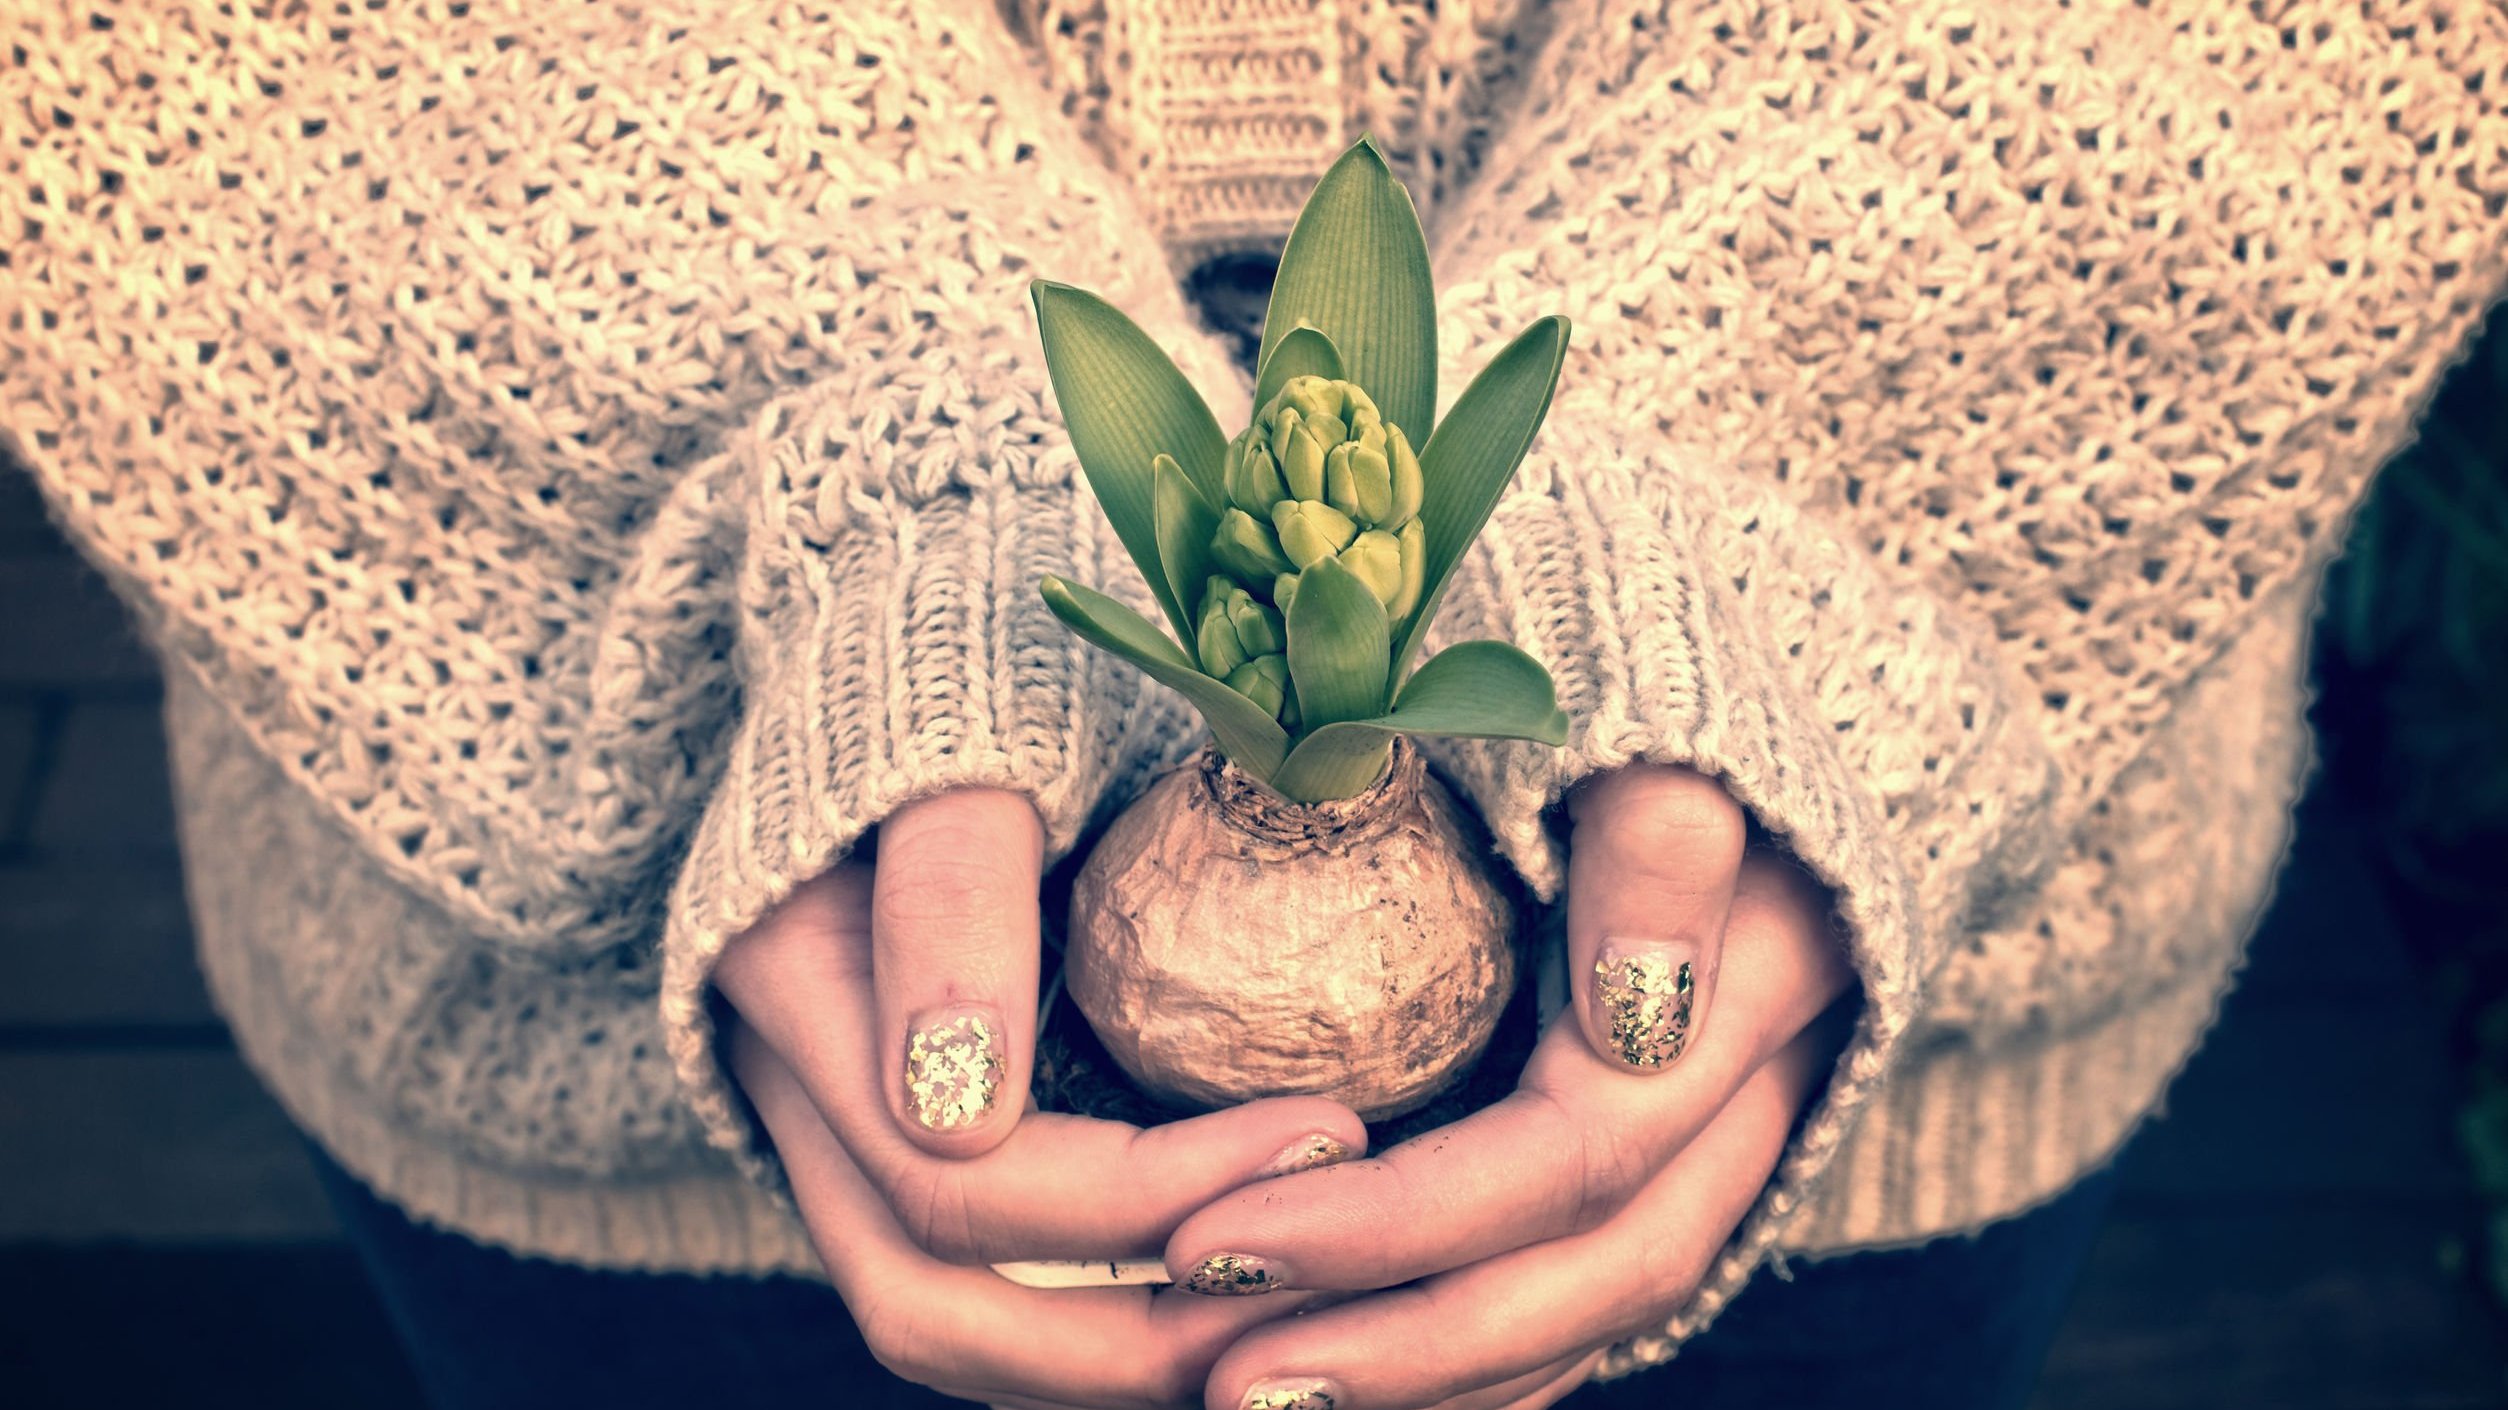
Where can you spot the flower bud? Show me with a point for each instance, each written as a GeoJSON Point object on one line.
{"type": "Point", "coordinates": [1358, 481]}
{"type": "Point", "coordinates": [1215, 639]}
{"type": "Point", "coordinates": [1253, 478]}
{"type": "Point", "coordinates": [1246, 547]}
{"type": "Point", "coordinates": [1265, 681]}
{"type": "Point", "coordinates": [1315, 396]}
{"type": "Point", "coordinates": [1301, 456]}
{"type": "Point", "coordinates": [1259, 628]}
{"type": "Point", "coordinates": [1284, 590]}
{"type": "Point", "coordinates": [1413, 539]}
{"type": "Point", "coordinates": [1311, 531]}
{"type": "Point", "coordinates": [1375, 558]}
{"type": "Point", "coordinates": [1233, 628]}
{"type": "Point", "coordinates": [1405, 477]}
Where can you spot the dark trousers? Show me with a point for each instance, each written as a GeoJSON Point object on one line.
{"type": "Point", "coordinates": [1957, 1324]}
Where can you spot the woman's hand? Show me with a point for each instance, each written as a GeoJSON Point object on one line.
{"type": "Point", "coordinates": [901, 999]}
{"type": "Point", "coordinates": [969, 1332]}
{"type": "Point", "coordinates": [1586, 1205]}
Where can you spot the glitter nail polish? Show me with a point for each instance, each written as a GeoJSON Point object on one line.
{"type": "Point", "coordinates": [1643, 997]}
{"type": "Point", "coordinates": [1305, 1153]}
{"type": "Point", "coordinates": [1290, 1393]}
{"type": "Point", "coordinates": [1232, 1275]}
{"type": "Point", "coordinates": [953, 1070]}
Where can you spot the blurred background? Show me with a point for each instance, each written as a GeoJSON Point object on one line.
{"type": "Point", "coordinates": [2319, 1219]}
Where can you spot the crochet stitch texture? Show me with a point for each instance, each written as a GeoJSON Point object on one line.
{"type": "Point", "coordinates": [583, 465]}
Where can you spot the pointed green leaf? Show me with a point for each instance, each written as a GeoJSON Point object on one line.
{"type": "Point", "coordinates": [1340, 646]}
{"type": "Point", "coordinates": [1472, 690]}
{"type": "Point", "coordinates": [1356, 268]}
{"type": "Point", "coordinates": [1245, 732]}
{"type": "Point", "coordinates": [1185, 522]}
{"type": "Point", "coordinates": [1125, 403]}
{"type": "Point", "coordinates": [1481, 690]}
{"type": "Point", "coordinates": [1466, 465]}
{"type": "Point", "coordinates": [1303, 352]}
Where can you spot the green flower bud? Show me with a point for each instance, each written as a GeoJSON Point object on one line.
{"type": "Point", "coordinates": [1358, 481]}
{"type": "Point", "coordinates": [1246, 547]}
{"type": "Point", "coordinates": [1413, 539]}
{"type": "Point", "coordinates": [1265, 681]}
{"type": "Point", "coordinates": [1406, 481]}
{"type": "Point", "coordinates": [1315, 396]}
{"type": "Point", "coordinates": [1253, 478]}
{"type": "Point", "coordinates": [1284, 590]}
{"type": "Point", "coordinates": [1375, 558]}
{"type": "Point", "coordinates": [1311, 531]}
{"type": "Point", "coordinates": [1233, 628]}
{"type": "Point", "coordinates": [1301, 456]}
{"type": "Point", "coordinates": [1216, 639]}
{"type": "Point", "coordinates": [1259, 628]}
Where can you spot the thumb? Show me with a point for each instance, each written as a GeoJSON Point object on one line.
{"type": "Point", "coordinates": [1651, 868]}
{"type": "Point", "coordinates": [954, 964]}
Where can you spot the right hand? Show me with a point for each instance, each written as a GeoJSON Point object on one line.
{"type": "Point", "coordinates": [944, 927]}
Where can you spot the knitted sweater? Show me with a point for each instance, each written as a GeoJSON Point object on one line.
{"type": "Point", "coordinates": [584, 464]}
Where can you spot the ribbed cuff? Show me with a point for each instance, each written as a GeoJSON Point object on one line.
{"type": "Point", "coordinates": [892, 657]}
{"type": "Point", "coordinates": [1689, 620]}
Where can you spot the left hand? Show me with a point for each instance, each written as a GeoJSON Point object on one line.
{"type": "Point", "coordinates": [1588, 1204]}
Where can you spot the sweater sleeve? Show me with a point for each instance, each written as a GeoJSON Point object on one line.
{"type": "Point", "coordinates": [601, 455]}
{"type": "Point", "coordinates": [897, 516]}
{"type": "Point", "coordinates": [1948, 391]}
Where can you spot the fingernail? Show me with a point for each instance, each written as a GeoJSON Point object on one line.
{"type": "Point", "coordinates": [1232, 1275]}
{"type": "Point", "coordinates": [953, 1069]}
{"type": "Point", "coordinates": [1643, 994]}
{"type": "Point", "coordinates": [1305, 1153]}
{"type": "Point", "coordinates": [1291, 1393]}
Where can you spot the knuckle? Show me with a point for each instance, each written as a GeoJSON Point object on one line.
{"type": "Point", "coordinates": [896, 1336]}
{"type": "Point", "coordinates": [933, 1206]}
{"type": "Point", "coordinates": [945, 878]}
{"type": "Point", "coordinates": [1609, 1169]}
{"type": "Point", "coordinates": [1597, 1169]}
{"type": "Point", "coordinates": [1687, 822]}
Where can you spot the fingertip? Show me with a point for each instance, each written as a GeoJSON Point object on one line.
{"type": "Point", "coordinates": [1322, 1133]}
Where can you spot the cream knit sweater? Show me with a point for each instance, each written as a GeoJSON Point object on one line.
{"type": "Point", "coordinates": [583, 464]}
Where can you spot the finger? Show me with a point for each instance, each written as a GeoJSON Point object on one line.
{"type": "Point", "coordinates": [1528, 1392]}
{"type": "Point", "coordinates": [1564, 1151]}
{"type": "Point", "coordinates": [979, 1335]}
{"type": "Point", "coordinates": [954, 962]}
{"type": "Point", "coordinates": [1511, 1316]}
{"type": "Point", "coordinates": [1525, 1392]}
{"type": "Point", "coordinates": [1651, 864]}
{"type": "Point", "coordinates": [802, 981]}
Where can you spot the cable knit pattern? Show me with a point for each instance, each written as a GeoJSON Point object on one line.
{"type": "Point", "coordinates": [584, 466]}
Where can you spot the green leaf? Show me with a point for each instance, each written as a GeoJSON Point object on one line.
{"type": "Point", "coordinates": [1473, 690]}
{"type": "Point", "coordinates": [1340, 646]}
{"type": "Point", "coordinates": [1125, 403]}
{"type": "Point", "coordinates": [1356, 268]}
{"type": "Point", "coordinates": [1303, 351]}
{"type": "Point", "coordinates": [1185, 522]}
{"type": "Point", "coordinates": [1481, 690]}
{"type": "Point", "coordinates": [1466, 465]}
{"type": "Point", "coordinates": [1337, 761]}
{"type": "Point", "coordinates": [1245, 732]}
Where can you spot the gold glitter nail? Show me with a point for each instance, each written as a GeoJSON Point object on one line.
{"type": "Point", "coordinates": [1231, 1275]}
{"type": "Point", "coordinates": [1307, 1153]}
{"type": "Point", "coordinates": [1646, 1000]}
{"type": "Point", "coordinates": [1289, 1395]}
{"type": "Point", "coordinates": [953, 1071]}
